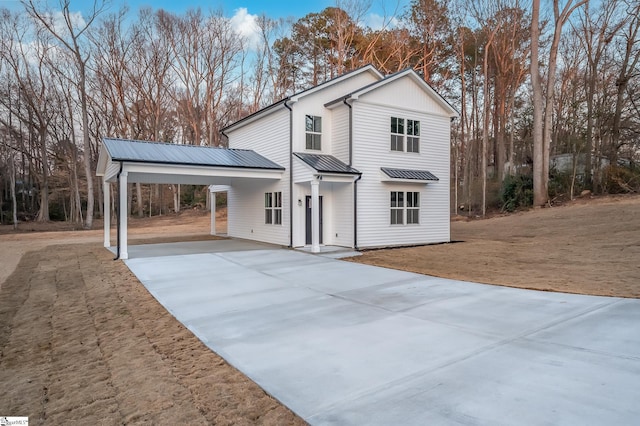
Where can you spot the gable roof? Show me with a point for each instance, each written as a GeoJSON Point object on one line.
{"type": "Point", "coordinates": [136, 151]}
{"type": "Point", "coordinates": [326, 163]}
{"type": "Point", "coordinates": [296, 97]}
{"type": "Point", "coordinates": [409, 72]}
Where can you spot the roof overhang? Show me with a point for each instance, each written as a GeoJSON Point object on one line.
{"type": "Point", "coordinates": [326, 168]}
{"type": "Point", "coordinates": [407, 176]}
{"type": "Point", "coordinates": [144, 162]}
{"type": "Point", "coordinates": [188, 175]}
{"type": "Point", "coordinates": [407, 73]}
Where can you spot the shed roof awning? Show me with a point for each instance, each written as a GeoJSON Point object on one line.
{"type": "Point", "coordinates": [408, 175]}
{"type": "Point", "coordinates": [323, 163]}
{"type": "Point", "coordinates": [156, 162]}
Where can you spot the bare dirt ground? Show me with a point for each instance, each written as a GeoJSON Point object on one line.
{"type": "Point", "coordinates": [82, 341]}
{"type": "Point", "coordinates": [589, 247]}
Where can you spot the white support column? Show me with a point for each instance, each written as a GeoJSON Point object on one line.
{"type": "Point", "coordinates": [213, 213]}
{"type": "Point", "coordinates": [124, 252]}
{"type": "Point", "coordinates": [106, 186]}
{"type": "Point", "coordinates": [315, 216]}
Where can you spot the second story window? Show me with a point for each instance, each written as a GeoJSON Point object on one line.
{"type": "Point", "coordinates": [401, 128]}
{"type": "Point", "coordinates": [413, 136]}
{"type": "Point", "coordinates": [397, 134]}
{"type": "Point", "coordinates": [313, 130]}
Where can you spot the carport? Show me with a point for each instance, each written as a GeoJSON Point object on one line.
{"type": "Point", "coordinates": [124, 161]}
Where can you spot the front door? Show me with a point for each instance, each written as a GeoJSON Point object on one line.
{"type": "Point", "coordinates": [308, 220]}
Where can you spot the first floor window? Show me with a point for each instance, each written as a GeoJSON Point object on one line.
{"type": "Point", "coordinates": [405, 207]}
{"type": "Point", "coordinates": [413, 207]}
{"type": "Point", "coordinates": [397, 207]}
{"type": "Point", "coordinates": [273, 208]}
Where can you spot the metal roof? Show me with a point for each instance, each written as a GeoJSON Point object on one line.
{"type": "Point", "coordinates": [192, 155]}
{"type": "Point", "coordinates": [409, 174]}
{"type": "Point", "coordinates": [326, 163]}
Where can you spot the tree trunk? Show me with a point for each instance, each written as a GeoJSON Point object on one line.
{"type": "Point", "coordinates": [539, 193]}
{"type": "Point", "coordinates": [43, 212]}
{"type": "Point", "coordinates": [139, 200]}
{"type": "Point", "coordinates": [86, 143]}
{"type": "Point", "coordinates": [14, 202]}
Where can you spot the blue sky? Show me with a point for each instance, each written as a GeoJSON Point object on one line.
{"type": "Point", "coordinates": [272, 8]}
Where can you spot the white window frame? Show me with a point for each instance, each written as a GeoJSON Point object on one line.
{"type": "Point", "coordinates": [313, 132]}
{"type": "Point", "coordinates": [404, 208]}
{"type": "Point", "coordinates": [413, 136]}
{"type": "Point", "coordinates": [273, 208]}
{"type": "Point", "coordinates": [405, 135]}
{"type": "Point", "coordinates": [397, 134]}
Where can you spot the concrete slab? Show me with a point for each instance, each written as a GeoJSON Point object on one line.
{"type": "Point", "coordinates": [344, 343]}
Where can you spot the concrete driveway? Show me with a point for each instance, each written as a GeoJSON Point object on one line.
{"type": "Point", "coordinates": [344, 343]}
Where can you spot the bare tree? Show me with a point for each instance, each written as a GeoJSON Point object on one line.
{"type": "Point", "coordinates": [542, 126]}
{"type": "Point", "coordinates": [628, 68]}
{"type": "Point", "coordinates": [71, 38]}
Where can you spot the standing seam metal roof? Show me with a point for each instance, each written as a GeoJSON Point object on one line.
{"type": "Point", "coordinates": [409, 174]}
{"type": "Point", "coordinates": [326, 163]}
{"type": "Point", "coordinates": [192, 155]}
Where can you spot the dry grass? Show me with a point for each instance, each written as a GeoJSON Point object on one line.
{"type": "Point", "coordinates": [588, 247]}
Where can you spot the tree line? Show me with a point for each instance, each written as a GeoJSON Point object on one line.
{"type": "Point", "coordinates": [532, 82]}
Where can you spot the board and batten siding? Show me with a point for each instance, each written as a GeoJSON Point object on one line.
{"type": "Point", "coordinates": [372, 151]}
{"type": "Point", "coordinates": [245, 203]}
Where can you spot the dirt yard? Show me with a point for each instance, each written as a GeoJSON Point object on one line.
{"type": "Point", "coordinates": [82, 341]}
{"type": "Point", "coordinates": [589, 247]}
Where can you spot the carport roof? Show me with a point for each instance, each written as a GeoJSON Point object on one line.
{"type": "Point", "coordinates": [191, 155]}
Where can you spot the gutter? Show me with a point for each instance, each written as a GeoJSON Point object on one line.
{"type": "Point", "coordinates": [118, 216]}
{"type": "Point", "coordinates": [290, 171]}
{"type": "Point", "coordinates": [226, 136]}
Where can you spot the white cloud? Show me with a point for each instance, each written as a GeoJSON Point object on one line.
{"type": "Point", "coordinates": [60, 25]}
{"type": "Point", "coordinates": [377, 22]}
{"type": "Point", "coordinates": [245, 24]}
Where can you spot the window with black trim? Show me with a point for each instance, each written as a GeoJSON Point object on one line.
{"type": "Point", "coordinates": [273, 208]}
{"type": "Point", "coordinates": [413, 136]}
{"type": "Point", "coordinates": [405, 207]}
{"type": "Point", "coordinates": [398, 132]}
{"type": "Point", "coordinates": [313, 130]}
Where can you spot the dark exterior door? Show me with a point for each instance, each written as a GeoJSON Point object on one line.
{"type": "Point", "coordinates": [308, 220]}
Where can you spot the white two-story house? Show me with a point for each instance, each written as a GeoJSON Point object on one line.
{"type": "Point", "coordinates": [366, 161]}
{"type": "Point", "coordinates": [360, 161]}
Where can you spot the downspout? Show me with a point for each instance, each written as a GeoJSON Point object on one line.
{"type": "Point", "coordinates": [290, 172]}
{"type": "Point", "coordinates": [355, 182]}
{"type": "Point", "coordinates": [355, 212]}
{"type": "Point", "coordinates": [350, 129]}
{"type": "Point", "coordinates": [118, 217]}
